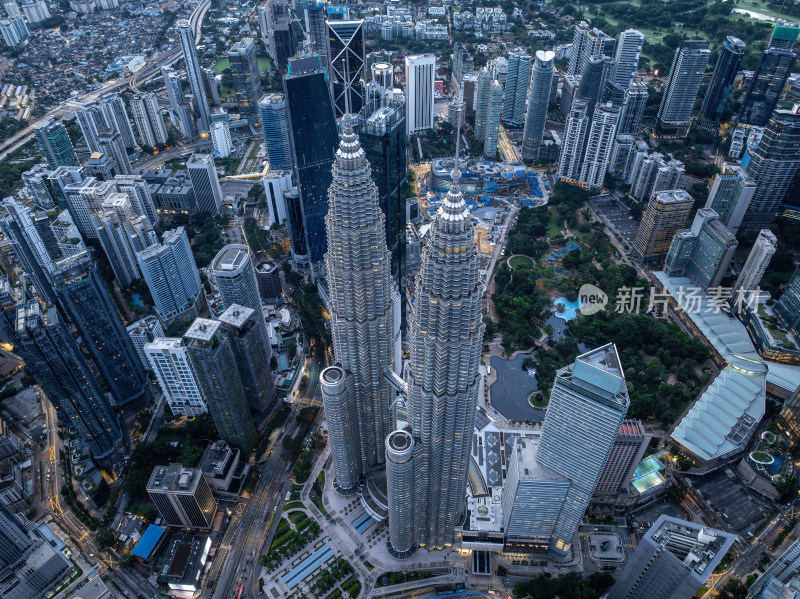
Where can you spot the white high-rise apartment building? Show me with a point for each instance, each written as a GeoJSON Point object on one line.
{"type": "Point", "coordinates": [587, 42]}
{"type": "Point", "coordinates": [221, 138]}
{"type": "Point", "coordinates": [116, 118]}
{"type": "Point", "coordinates": [35, 11]}
{"type": "Point", "coordinates": [599, 145]}
{"type": "Point", "coordinates": [757, 261]}
{"type": "Point", "coordinates": [147, 116]}
{"type": "Point", "coordinates": [420, 76]}
{"type": "Point", "coordinates": [174, 371]}
{"type": "Point", "coordinates": [626, 57]}
{"type": "Point", "coordinates": [12, 8]}
{"type": "Point", "coordinates": [10, 35]}
{"type": "Point", "coordinates": [572, 144]}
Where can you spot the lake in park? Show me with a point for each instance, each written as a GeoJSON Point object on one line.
{"type": "Point", "coordinates": [511, 390]}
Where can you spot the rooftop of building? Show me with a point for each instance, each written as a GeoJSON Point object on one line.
{"type": "Point", "coordinates": [601, 369]}
{"type": "Point", "coordinates": [173, 235]}
{"type": "Point", "coordinates": [175, 477]}
{"type": "Point", "coordinates": [217, 458]}
{"type": "Point", "coordinates": [202, 329]}
{"type": "Point", "coordinates": [526, 450]}
{"type": "Point", "coordinates": [202, 159]}
{"type": "Point", "coordinates": [631, 428]}
{"type": "Point", "coordinates": [673, 196]}
{"type": "Point", "coordinates": [718, 422]}
{"type": "Point", "coordinates": [267, 267]}
{"type": "Point", "coordinates": [183, 561]}
{"type": "Point", "coordinates": [143, 325]}
{"type": "Point", "coordinates": [231, 258]}
{"type": "Point", "coordinates": [698, 547]}
{"type": "Point", "coordinates": [94, 588]}
{"type": "Point", "coordinates": [236, 315]}
{"type": "Point", "coordinates": [164, 343]}
{"type": "Point", "coordinates": [148, 541]}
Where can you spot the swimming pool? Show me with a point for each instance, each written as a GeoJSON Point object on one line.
{"type": "Point", "coordinates": [570, 308]}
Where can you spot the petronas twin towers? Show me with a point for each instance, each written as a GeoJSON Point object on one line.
{"type": "Point", "coordinates": [426, 453]}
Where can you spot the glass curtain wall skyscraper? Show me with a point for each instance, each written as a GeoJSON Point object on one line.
{"type": "Point", "coordinates": [345, 47]}
{"type": "Point", "coordinates": [769, 77]}
{"type": "Point", "coordinates": [538, 101]}
{"type": "Point", "coordinates": [383, 138]}
{"type": "Point", "coordinates": [588, 403]}
{"type": "Point", "coordinates": [195, 74]}
{"type": "Point", "coordinates": [446, 337]}
{"type": "Point", "coordinates": [314, 136]}
{"type": "Point", "coordinates": [516, 88]}
{"type": "Point", "coordinates": [275, 123]}
{"type": "Point", "coordinates": [365, 312]}
{"type": "Point", "coordinates": [46, 345]}
{"type": "Point", "coordinates": [772, 161]}
{"type": "Point", "coordinates": [246, 81]}
{"type": "Point", "coordinates": [685, 77]}
{"type": "Point", "coordinates": [730, 57]}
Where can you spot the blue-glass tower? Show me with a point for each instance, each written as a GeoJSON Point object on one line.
{"type": "Point", "coordinates": [730, 56]}
{"type": "Point", "coordinates": [275, 122]}
{"type": "Point", "coordinates": [314, 136]}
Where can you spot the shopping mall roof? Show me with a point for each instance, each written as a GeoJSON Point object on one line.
{"type": "Point", "coordinates": [721, 420]}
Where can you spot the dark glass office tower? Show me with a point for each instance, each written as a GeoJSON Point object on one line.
{"type": "Point", "coordinates": [346, 60]}
{"type": "Point", "coordinates": [730, 56]}
{"type": "Point", "coordinates": [55, 144]}
{"type": "Point", "coordinates": [769, 78]}
{"type": "Point", "coordinates": [314, 141]}
{"type": "Point", "coordinates": [383, 138]}
{"type": "Point", "coordinates": [772, 162]}
{"type": "Point", "coordinates": [54, 359]}
{"type": "Point", "coordinates": [87, 304]}
{"type": "Point", "coordinates": [246, 82]}
{"type": "Point", "coordinates": [14, 541]}
{"type": "Point", "coordinates": [284, 42]}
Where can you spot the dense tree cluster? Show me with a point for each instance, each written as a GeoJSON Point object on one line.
{"type": "Point", "coordinates": [650, 350]}
{"type": "Point", "coordinates": [191, 438]}
{"type": "Point", "coordinates": [571, 586]}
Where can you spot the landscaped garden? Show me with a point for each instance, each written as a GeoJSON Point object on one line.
{"type": "Point", "coordinates": [665, 369]}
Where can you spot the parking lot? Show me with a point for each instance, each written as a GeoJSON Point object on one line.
{"type": "Point", "coordinates": [731, 502]}
{"type": "Point", "coordinates": [616, 216]}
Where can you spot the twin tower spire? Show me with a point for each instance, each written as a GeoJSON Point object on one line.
{"type": "Point", "coordinates": [426, 450]}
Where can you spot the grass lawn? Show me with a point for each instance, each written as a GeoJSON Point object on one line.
{"type": "Point", "coordinates": [521, 262]}
{"type": "Point", "coordinates": [223, 64]}
{"type": "Point", "coordinates": [554, 228]}
{"type": "Point", "coordinates": [756, 6]}
{"type": "Point", "coordinates": [263, 64]}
